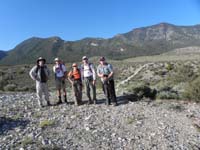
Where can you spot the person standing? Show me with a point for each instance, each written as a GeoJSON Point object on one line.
{"type": "Point", "coordinates": [105, 72]}
{"type": "Point", "coordinates": [60, 75]}
{"type": "Point", "coordinates": [89, 77]}
{"type": "Point", "coordinates": [40, 73]}
{"type": "Point", "coordinates": [74, 76]}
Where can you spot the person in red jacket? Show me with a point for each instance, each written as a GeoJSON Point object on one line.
{"type": "Point", "coordinates": [74, 76]}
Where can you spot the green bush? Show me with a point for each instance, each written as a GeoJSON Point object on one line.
{"type": "Point", "coordinates": [25, 88]}
{"type": "Point", "coordinates": [3, 83]}
{"type": "Point", "coordinates": [192, 90]}
{"type": "Point", "coordinates": [142, 90]}
{"type": "Point", "coordinates": [10, 87]}
{"type": "Point", "coordinates": [165, 91]}
{"type": "Point", "coordinates": [46, 123]}
{"type": "Point", "coordinates": [27, 141]}
{"type": "Point", "coordinates": [169, 66]}
{"type": "Point", "coordinates": [183, 73]}
{"type": "Point", "coordinates": [22, 70]}
{"type": "Point", "coordinates": [167, 95]}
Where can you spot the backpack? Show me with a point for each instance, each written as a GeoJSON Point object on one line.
{"type": "Point", "coordinates": [90, 68]}
{"type": "Point", "coordinates": [61, 68]}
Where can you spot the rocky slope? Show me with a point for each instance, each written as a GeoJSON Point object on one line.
{"type": "Point", "coordinates": [156, 125]}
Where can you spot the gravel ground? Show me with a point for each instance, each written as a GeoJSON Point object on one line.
{"type": "Point", "coordinates": [155, 125]}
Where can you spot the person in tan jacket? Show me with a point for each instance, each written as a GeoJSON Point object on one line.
{"type": "Point", "coordinates": [40, 73]}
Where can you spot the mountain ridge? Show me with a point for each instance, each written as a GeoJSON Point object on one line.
{"type": "Point", "coordinates": [150, 40]}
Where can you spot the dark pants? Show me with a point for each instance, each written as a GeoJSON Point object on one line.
{"type": "Point", "coordinates": [77, 89]}
{"type": "Point", "coordinates": [109, 91]}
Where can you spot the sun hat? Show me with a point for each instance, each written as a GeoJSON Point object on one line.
{"type": "Point", "coordinates": [41, 59]}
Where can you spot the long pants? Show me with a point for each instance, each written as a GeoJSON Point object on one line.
{"type": "Point", "coordinates": [77, 89]}
{"type": "Point", "coordinates": [109, 91]}
{"type": "Point", "coordinates": [89, 85]}
{"type": "Point", "coordinates": [42, 88]}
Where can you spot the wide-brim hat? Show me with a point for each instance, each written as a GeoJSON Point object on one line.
{"type": "Point", "coordinates": [57, 59]}
{"type": "Point", "coordinates": [84, 58]}
{"type": "Point", "coordinates": [74, 65]}
{"type": "Point", "coordinates": [40, 58]}
{"type": "Point", "coordinates": [102, 58]}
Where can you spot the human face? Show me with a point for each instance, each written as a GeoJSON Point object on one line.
{"type": "Point", "coordinates": [57, 62]}
{"type": "Point", "coordinates": [41, 63]}
{"type": "Point", "coordinates": [85, 60]}
{"type": "Point", "coordinates": [74, 67]}
{"type": "Point", "coordinates": [102, 62]}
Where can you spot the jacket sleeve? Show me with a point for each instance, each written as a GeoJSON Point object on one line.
{"type": "Point", "coordinates": [48, 72]}
{"type": "Point", "coordinates": [32, 73]}
{"type": "Point", "coordinates": [98, 70]}
{"type": "Point", "coordinates": [82, 72]}
{"type": "Point", "coordinates": [93, 72]}
{"type": "Point", "coordinates": [54, 69]}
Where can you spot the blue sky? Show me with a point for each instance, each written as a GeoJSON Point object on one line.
{"type": "Point", "coordinates": [76, 19]}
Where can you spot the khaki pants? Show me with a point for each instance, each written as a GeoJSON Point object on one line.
{"type": "Point", "coordinates": [42, 88]}
{"type": "Point", "coordinates": [89, 85]}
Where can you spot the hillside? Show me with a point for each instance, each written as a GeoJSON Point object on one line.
{"type": "Point", "coordinates": [2, 54]}
{"type": "Point", "coordinates": [145, 41]}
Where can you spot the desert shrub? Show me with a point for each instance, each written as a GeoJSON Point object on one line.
{"type": "Point", "coordinates": [167, 95]}
{"type": "Point", "coordinates": [10, 87]}
{"type": "Point", "coordinates": [192, 90]}
{"type": "Point", "coordinates": [46, 123]}
{"type": "Point", "coordinates": [183, 73]}
{"type": "Point", "coordinates": [21, 70]}
{"type": "Point", "coordinates": [165, 91]}
{"type": "Point", "coordinates": [3, 83]}
{"type": "Point", "coordinates": [142, 90]}
{"type": "Point", "coordinates": [25, 88]}
{"type": "Point", "coordinates": [169, 66]}
{"type": "Point", "coordinates": [160, 73]}
{"type": "Point", "coordinates": [27, 141]}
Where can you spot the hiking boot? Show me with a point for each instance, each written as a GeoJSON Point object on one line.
{"type": "Point", "coordinates": [41, 106]}
{"type": "Point", "coordinates": [89, 102]}
{"type": "Point", "coordinates": [59, 101]}
{"type": "Point", "coordinates": [95, 102]}
{"type": "Point", "coordinates": [65, 99]}
{"type": "Point", "coordinates": [115, 104]}
{"type": "Point", "coordinates": [49, 104]}
{"type": "Point", "coordinates": [108, 101]}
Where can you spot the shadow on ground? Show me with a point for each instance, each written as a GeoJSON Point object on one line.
{"type": "Point", "coordinates": [7, 124]}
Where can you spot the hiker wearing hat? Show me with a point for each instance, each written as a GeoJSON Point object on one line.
{"type": "Point", "coordinates": [105, 72]}
{"type": "Point", "coordinates": [74, 76]}
{"type": "Point", "coordinates": [89, 77]}
{"type": "Point", "coordinates": [40, 73]}
{"type": "Point", "coordinates": [60, 75]}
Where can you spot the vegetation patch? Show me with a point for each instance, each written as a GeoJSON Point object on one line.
{"type": "Point", "coordinates": [46, 123]}
{"type": "Point", "coordinates": [27, 141]}
{"type": "Point", "coordinates": [192, 90]}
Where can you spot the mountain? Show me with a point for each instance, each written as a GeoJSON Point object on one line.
{"type": "Point", "coordinates": [2, 54]}
{"type": "Point", "coordinates": [151, 40]}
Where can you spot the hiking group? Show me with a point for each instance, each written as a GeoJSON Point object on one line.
{"type": "Point", "coordinates": [77, 76]}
